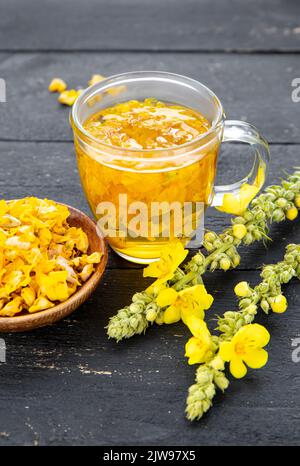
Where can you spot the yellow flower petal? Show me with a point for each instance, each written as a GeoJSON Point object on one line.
{"type": "Point", "coordinates": [12, 307]}
{"type": "Point", "coordinates": [256, 333]}
{"type": "Point", "coordinates": [57, 85]}
{"type": "Point", "coordinates": [202, 296]}
{"type": "Point", "coordinates": [196, 351]}
{"type": "Point", "coordinates": [166, 297]}
{"type": "Point", "coordinates": [4, 208]}
{"type": "Point", "coordinates": [40, 304]}
{"type": "Point", "coordinates": [68, 97]}
{"type": "Point", "coordinates": [171, 257]}
{"type": "Point", "coordinates": [237, 367]}
{"type": "Point", "coordinates": [171, 315]}
{"type": "Point", "coordinates": [279, 304]}
{"type": "Point", "coordinates": [199, 328]}
{"type": "Point", "coordinates": [256, 358]}
{"type": "Point", "coordinates": [96, 78]}
{"type": "Point", "coordinates": [237, 204]}
{"type": "Point", "coordinates": [226, 350]}
{"type": "Point", "coordinates": [54, 285]}
{"type": "Point", "coordinates": [187, 312]}
{"type": "Point", "coordinates": [261, 176]}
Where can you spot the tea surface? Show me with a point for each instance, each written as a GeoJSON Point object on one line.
{"type": "Point", "coordinates": [147, 124]}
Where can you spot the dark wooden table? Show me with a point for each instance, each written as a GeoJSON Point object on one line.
{"type": "Point", "coordinates": [68, 384]}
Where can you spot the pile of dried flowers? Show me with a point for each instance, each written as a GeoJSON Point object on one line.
{"type": "Point", "coordinates": [43, 260]}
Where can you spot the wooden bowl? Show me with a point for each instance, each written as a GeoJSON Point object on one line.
{"type": "Point", "coordinates": [23, 323]}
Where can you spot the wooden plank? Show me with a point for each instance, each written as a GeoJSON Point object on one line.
{"type": "Point", "coordinates": [150, 25]}
{"type": "Point", "coordinates": [68, 384]}
{"type": "Point", "coordinates": [255, 88]}
{"type": "Point", "coordinates": [49, 170]}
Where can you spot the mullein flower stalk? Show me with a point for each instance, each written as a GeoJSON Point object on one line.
{"type": "Point", "coordinates": [268, 296]}
{"type": "Point", "coordinates": [276, 204]}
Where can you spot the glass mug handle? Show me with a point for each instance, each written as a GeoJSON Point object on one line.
{"type": "Point", "coordinates": [234, 198]}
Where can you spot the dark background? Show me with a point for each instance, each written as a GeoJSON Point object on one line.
{"type": "Point", "coordinates": [68, 384]}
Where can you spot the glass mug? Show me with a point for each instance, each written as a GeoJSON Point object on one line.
{"type": "Point", "coordinates": [134, 192]}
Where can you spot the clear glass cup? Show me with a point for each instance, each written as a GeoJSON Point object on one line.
{"type": "Point", "coordinates": [118, 181]}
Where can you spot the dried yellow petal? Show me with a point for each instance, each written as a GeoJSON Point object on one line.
{"type": "Point", "coordinates": [12, 308]}
{"type": "Point", "coordinates": [86, 272]}
{"type": "Point", "coordinates": [43, 260]}
{"type": "Point", "coordinates": [54, 285]}
{"type": "Point", "coordinates": [68, 97]}
{"type": "Point", "coordinates": [57, 85]}
{"type": "Point", "coordinates": [96, 78]}
{"type": "Point", "coordinates": [40, 304]}
{"type": "Point", "coordinates": [28, 295]}
{"type": "Point", "coordinates": [94, 258]}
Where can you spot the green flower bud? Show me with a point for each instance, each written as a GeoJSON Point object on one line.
{"type": "Point", "coordinates": [278, 215]}
{"type": "Point", "coordinates": [239, 220]}
{"type": "Point", "coordinates": [245, 302]}
{"type": "Point", "coordinates": [236, 260]}
{"type": "Point", "coordinates": [225, 264]}
{"type": "Point", "coordinates": [218, 243]}
{"type": "Point", "coordinates": [248, 239]}
{"type": "Point", "coordinates": [151, 315]}
{"type": "Point", "coordinates": [208, 246]}
{"type": "Point", "coordinates": [282, 203]}
{"type": "Point", "coordinates": [198, 258]}
{"type": "Point", "coordinates": [248, 216]}
{"type": "Point", "coordinates": [251, 310]}
{"type": "Point", "coordinates": [135, 308]}
{"type": "Point", "coordinates": [286, 276]}
{"type": "Point", "coordinates": [265, 305]}
{"type": "Point", "coordinates": [264, 287]}
{"type": "Point", "coordinates": [210, 236]}
{"type": "Point", "coordinates": [257, 235]}
{"type": "Point", "coordinates": [214, 265]}
{"type": "Point", "coordinates": [203, 376]}
{"type": "Point", "coordinates": [221, 381]}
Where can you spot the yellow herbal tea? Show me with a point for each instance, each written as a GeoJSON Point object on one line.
{"type": "Point", "coordinates": [156, 197]}
{"type": "Point", "coordinates": [146, 125]}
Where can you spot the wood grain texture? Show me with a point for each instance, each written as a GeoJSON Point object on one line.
{"type": "Point", "coordinates": [150, 25]}
{"type": "Point", "coordinates": [253, 88]}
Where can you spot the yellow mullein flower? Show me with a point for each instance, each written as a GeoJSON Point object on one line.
{"type": "Point", "coordinates": [171, 257]}
{"type": "Point", "coordinates": [190, 301]}
{"type": "Point", "coordinates": [200, 347]}
{"type": "Point", "coordinates": [236, 204]}
{"type": "Point", "coordinates": [242, 289]}
{"type": "Point", "coordinates": [292, 213]}
{"type": "Point", "coordinates": [239, 231]}
{"type": "Point", "coordinates": [278, 304]}
{"type": "Point", "coordinates": [246, 347]}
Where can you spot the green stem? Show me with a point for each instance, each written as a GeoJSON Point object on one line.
{"type": "Point", "coordinates": [189, 277]}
